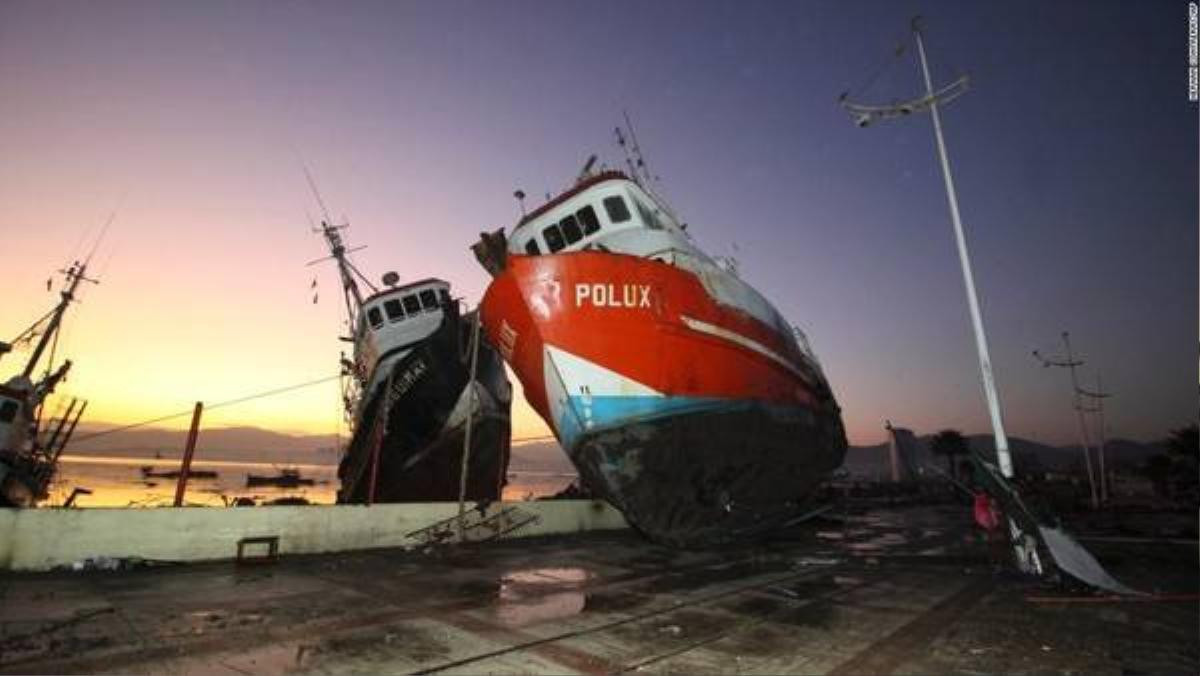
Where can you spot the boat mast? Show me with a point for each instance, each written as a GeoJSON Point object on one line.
{"type": "Point", "coordinates": [75, 274]}
{"type": "Point", "coordinates": [337, 251]}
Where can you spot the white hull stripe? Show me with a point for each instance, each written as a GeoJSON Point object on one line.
{"type": "Point", "coordinates": [748, 343]}
{"type": "Point", "coordinates": [577, 373]}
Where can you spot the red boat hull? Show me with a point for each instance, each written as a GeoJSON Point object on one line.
{"type": "Point", "coordinates": [701, 422]}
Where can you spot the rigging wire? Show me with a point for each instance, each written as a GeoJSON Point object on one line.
{"type": "Point", "coordinates": [902, 45]}
{"type": "Point", "coordinates": [229, 402]}
{"type": "Point", "coordinates": [28, 334]}
{"type": "Point", "coordinates": [251, 397]}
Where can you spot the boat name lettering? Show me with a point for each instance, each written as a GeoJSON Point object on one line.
{"type": "Point", "coordinates": [612, 295]}
{"type": "Point", "coordinates": [409, 378]}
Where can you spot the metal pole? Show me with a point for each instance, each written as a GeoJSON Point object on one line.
{"type": "Point", "coordinates": [1100, 441]}
{"type": "Point", "coordinates": [48, 449]}
{"type": "Point", "coordinates": [985, 363]}
{"type": "Point", "coordinates": [1024, 550]}
{"type": "Point", "coordinates": [466, 454]}
{"type": "Point", "coordinates": [1083, 435]}
{"type": "Point", "coordinates": [70, 431]}
{"type": "Point", "coordinates": [188, 451]}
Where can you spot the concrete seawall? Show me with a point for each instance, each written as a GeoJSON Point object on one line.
{"type": "Point", "coordinates": [41, 539]}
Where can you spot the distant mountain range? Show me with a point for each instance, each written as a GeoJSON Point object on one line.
{"type": "Point", "coordinates": [256, 444]}
{"type": "Point", "coordinates": [218, 443]}
{"type": "Point", "coordinates": [1119, 454]}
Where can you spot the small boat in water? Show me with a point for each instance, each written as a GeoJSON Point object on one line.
{"type": "Point", "coordinates": [410, 397]}
{"type": "Point", "coordinates": [29, 451]}
{"type": "Point", "coordinates": [678, 391]}
{"type": "Point", "coordinates": [149, 472]}
{"type": "Point", "coordinates": [288, 477]}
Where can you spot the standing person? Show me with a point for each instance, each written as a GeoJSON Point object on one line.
{"type": "Point", "coordinates": [989, 518]}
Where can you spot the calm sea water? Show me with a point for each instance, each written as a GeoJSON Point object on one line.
{"type": "Point", "coordinates": [118, 481]}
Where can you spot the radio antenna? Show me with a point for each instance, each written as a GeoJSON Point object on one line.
{"type": "Point", "coordinates": [316, 193]}
{"type": "Point", "coordinates": [339, 252]}
{"type": "Point", "coordinates": [637, 149]}
{"type": "Point", "coordinates": [625, 152]}
{"type": "Point", "coordinates": [100, 238]}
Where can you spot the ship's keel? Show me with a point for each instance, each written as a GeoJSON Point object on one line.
{"type": "Point", "coordinates": [700, 479]}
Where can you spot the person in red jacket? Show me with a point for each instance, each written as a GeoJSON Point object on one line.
{"type": "Point", "coordinates": [989, 518]}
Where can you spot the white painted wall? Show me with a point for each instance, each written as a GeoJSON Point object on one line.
{"type": "Point", "coordinates": [41, 539]}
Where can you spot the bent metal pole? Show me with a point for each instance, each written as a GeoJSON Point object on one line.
{"type": "Point", "coordinates": [1003, 457]}
{"type": "Point", "coordinates": [1024, 550]}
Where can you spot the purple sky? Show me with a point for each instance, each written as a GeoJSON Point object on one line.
{"type": "Point", "coordinates": [1075, 154]}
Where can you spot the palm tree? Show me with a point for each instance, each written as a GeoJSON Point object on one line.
{"type": "Point", "coordinates": [950, 443]}
{"type": "Point", "coordinates": [1185, 442]}
{"type": "Point", "coordinates": [1183, 448]}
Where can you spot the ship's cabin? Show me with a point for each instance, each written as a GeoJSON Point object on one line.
{"type": "Point", "coordinates": [401, 315]}
{"type": "Point", "coordinates": [13, 420]}
{"type": "Point", "coordinates": [590, 214]}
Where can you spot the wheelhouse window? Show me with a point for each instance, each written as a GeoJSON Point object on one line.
{"type": "Point", "coordinates": [392, 307]}
{"type": "Point", "coordinates": [554, 238]}
{"type": "Point", "coordinates": [570, 229]}
{"type": "Point", "coordinates": [587, 219]}
{"type": "Point", "coordinates": [375, 317]}
{"type": "Point", "coordinates": [445, 296]}
{"type": "Point", "coordinates": [429, 300]}
{"type": "Point", "coordinates": [648, 216]}
{"type": "Point", "coordinates": [531, 247]}
{"type": "Point", "coordinates": [8, 410]}
{"type": "Point", "coordinates": [411, 305]}
{"type": "Point", "coordinates": [618, 212]}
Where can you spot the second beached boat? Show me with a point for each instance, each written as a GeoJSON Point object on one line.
{"type": "Point", "coordinates": [410, 396]}
{"type": "Point", "coordinates": [678, 391]}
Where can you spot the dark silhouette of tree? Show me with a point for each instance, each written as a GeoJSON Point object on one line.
{"type": "Point", "coordinates": [1183, 447]}
{"type": "Point", "coordinates": [1176, 473]}
{"type": "Point", "coordinates": [1158, 470]}
{"type": "Point", "coordinates": [951, 444]}
{"type": "Point", "coordinates": [1184, 442]}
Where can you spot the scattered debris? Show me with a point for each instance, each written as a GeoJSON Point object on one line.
{"type": "Point", "coordinates": [784, 591]}
{"type": "Point", "coordinates": [1115, 598]}
{"type": "Point", "coordinates": [102, 563]}
{"type": "Point", "coordinates": [817, 561]}
{"type": "Point", "coordinates": [476, 527]}
{"type": "Point", "coordinates": [45, 630]}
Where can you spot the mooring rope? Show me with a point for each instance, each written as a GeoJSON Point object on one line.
{"type": "Point", "coordinates": [229, 402]}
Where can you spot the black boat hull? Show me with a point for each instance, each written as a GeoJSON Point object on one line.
{"type": "Point", "coordinates": [710, 478]}
{"type": "Point", "coordinates": [412, 452]}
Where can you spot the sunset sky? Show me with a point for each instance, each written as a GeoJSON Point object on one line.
{"type": "Point", "coordinates": [1075, 154]}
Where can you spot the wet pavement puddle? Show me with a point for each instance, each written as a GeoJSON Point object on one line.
{"type": "Point", "coordinates": [539, 595]}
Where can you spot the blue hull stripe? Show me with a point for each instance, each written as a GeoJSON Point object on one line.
{"type": "Point", "coordinates": [609, 412]}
